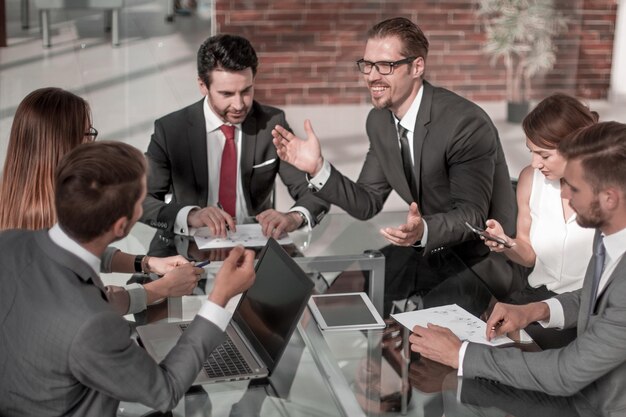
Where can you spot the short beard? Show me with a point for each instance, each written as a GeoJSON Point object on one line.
{"type": "Point", "coordinates": [594, 218]}
{"type": "Point", "coordinates": [381, 104]}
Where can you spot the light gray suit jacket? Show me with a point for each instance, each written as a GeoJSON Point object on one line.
{"type": "Point", "coordinates": [177, 154]}
{"type": "Point", "coordinates": [66, 352]}
{"type": "Point", "coordinates": [594, 363]}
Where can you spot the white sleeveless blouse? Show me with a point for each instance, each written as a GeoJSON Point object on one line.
{"type": "Point", "coordinates": [563, 248]}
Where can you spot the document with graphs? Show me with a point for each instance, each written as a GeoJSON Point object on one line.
{"type": "Point", "coordinates": [463, 324]}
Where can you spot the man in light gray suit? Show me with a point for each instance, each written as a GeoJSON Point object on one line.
{"type": "Point", "coordinates": [65, 350]}
{"type": "Point", "coordinates": [440, 152]}
{"type": "Point", "coordinates": [595, 362]}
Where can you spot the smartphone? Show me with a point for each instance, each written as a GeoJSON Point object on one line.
{"type": "Point", "coordinates": [488, 236]}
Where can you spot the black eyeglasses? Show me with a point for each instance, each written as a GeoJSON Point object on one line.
{"type": "Point", "coordinates": [383, 67]}
{"type": "Point", "coordinates": [92, 133]}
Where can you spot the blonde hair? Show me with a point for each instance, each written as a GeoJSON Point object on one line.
{"type": "Point", "coordinates": [48, 123]}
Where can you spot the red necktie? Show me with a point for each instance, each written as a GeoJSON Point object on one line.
{"type": "Point", "coordinates": [228, 172]}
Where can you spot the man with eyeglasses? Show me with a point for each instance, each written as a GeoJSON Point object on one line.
{"type": "Point", "coordinates": [440, 152]}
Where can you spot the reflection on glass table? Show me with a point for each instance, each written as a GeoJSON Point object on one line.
{"type": "Point", "coordinates": [370, 371]}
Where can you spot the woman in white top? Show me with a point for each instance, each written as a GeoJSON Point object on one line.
{"type": "Point", "coordinates": [549, 239]}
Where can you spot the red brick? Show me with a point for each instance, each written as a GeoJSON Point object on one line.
{"type": "Point", "coordinates": [307, 49]}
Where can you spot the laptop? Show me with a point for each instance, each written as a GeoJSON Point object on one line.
{"type": "Point", "coordinates": [262, 324]}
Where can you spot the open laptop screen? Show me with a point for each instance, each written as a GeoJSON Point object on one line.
{"type": "Point", "coordinates": [270, 310]}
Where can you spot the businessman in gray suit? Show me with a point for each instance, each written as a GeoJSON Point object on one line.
{"type": "Point", "coordinates": [595, 362]}
{"type": "Point", "coordinates": [440, 152]}
{"type": "Point", "coordinates": [189, 155]}
{"type": "Point", "coordinates": [65, 350]}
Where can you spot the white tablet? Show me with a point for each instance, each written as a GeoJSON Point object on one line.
{"type": "Point", "coordinates": [348, 311]}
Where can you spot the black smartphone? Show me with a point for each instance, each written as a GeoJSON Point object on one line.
{"type": "Point", "coordinates": [488, 236]}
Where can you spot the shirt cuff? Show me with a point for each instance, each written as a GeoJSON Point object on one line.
{"type": "Point", "coordinates": [557, 317]}
{"type": "Point", "coordinates": [215, 314]}
{"type": "Point", "coordinates": [137, 297]}
{"type": "Point", "coordinates": [307, 214]}
{"type": "Point", "coordinates": [461, 357]}
{"type": "Point", "coordinates": [321, 178]}
{"type": "Point", "coordinates": [180, 224]}
{"type": "Point", "coordinates": [106, 260]}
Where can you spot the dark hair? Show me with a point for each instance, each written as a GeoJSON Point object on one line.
{"type": "Point", "coordinates": [555, 118]}
{"type": "Point", "coordinates": [48, 123]}
{"type": "Point", "coordinates": [601, 149]}
{"type": "Point", "coordinates": [97, 184]}
{"type": "Point", "coordinates": [414, 42]}
{"type": "Point", "coordinates": [228, 52]}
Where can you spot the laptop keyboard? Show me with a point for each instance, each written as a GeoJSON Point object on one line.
{"type": "Point", "coordinates": [225, 360]}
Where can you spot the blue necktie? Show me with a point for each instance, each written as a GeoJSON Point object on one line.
{"type": "Point", "coordinates": [599, 255]}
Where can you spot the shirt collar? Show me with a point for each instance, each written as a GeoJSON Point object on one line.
{"type": "Point", "coordinates": [409, 119]}
{"type": "Point", "coordinates": [615, 244]}
{"type": "Point", "coordinates": [212, 121]}
{"type": "Point", "coordinates": [58, 236]}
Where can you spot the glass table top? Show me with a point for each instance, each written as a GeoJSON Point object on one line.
{"type": "Point", "coordinates": [352, 373]}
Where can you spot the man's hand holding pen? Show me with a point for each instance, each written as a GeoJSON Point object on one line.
{"type": "Point", "coordinates": [506, 318]}
{"type": "Point", "coordinates": [215, 218]}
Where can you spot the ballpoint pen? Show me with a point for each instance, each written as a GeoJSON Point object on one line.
{"type": "Point", "coordinates": [498, 324]}
{"type": "Point", "coordinates": [219, 206]}
{"type": "Point", "coordinates": [202, 264]}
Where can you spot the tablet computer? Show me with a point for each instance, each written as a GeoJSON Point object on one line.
{"type": "Point", "coordinates": [347, 311]}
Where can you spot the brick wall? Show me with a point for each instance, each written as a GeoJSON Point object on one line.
{"type": "Point", "coordinates": [307, 48]}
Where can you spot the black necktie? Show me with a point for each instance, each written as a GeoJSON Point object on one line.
{"type": "Point", "coordinates": [407, 162]}
{"type": "Point", "coordinates": [599, 255]}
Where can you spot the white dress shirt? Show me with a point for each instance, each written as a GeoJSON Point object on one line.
{"type": "Point", "coordinates": [215, 146]}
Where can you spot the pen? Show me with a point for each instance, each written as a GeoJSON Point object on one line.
{"type": "Point", "coordinates": [202, 264]}
{"type": "Point", "coordinates": [498, 324]}
{"type": "Point", "coordinates": [219, 206]}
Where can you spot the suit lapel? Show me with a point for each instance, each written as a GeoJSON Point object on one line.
{"type": "Point", "coordinates": [248, 144]}
{"type": "Point", "coordinates": [393, 157]}
{"type": "Point", "coordinates": [621, 266]}
{"type": "Point", "coordinates": [585, 302]}
{"type": "Point", "coordinates": [420, 132]}
{"type": "Point", "coordinates": [196, 138]}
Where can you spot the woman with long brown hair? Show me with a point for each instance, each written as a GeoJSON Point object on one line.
{"type": "Point", "coordinates": [548, 238]}
{"type": "Point", "coordinates": [48, 123]}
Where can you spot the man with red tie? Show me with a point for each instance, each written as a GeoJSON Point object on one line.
{"type": "Point", "coordinates": [216, 156]}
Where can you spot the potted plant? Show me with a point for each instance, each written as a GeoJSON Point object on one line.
{"type": "Point", "coordinates": [521, 32]}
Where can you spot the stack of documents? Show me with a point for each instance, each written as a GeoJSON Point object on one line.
{"type": "Point", "coordinates": [464, 325]}
{"type": "Point", "coordinates": [247, 235]}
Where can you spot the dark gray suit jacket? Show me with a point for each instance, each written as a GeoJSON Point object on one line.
{"type": "Point", "coordinates": [65, 351]}
{"type": "Point", "coordinates": [594, 363]}
{"type": "Point", "coordinates": [177, 155]}
{"type": "Point", "coordinates": [459, 166]}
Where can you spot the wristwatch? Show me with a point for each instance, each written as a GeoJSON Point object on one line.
{"type": "Point", "coordinates": [138, 266]}
{"type": "Point", "coordinates": [141, 264]}
{"type": "Point", "coordinates": [305, 221]}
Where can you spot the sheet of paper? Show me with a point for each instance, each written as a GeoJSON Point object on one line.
{"type": "Point", "coordinates": [464, 325]}
{"type": "Point", "coordinates": [248, 235]}
{"type": "Point", "coordinates": [192, 303]}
